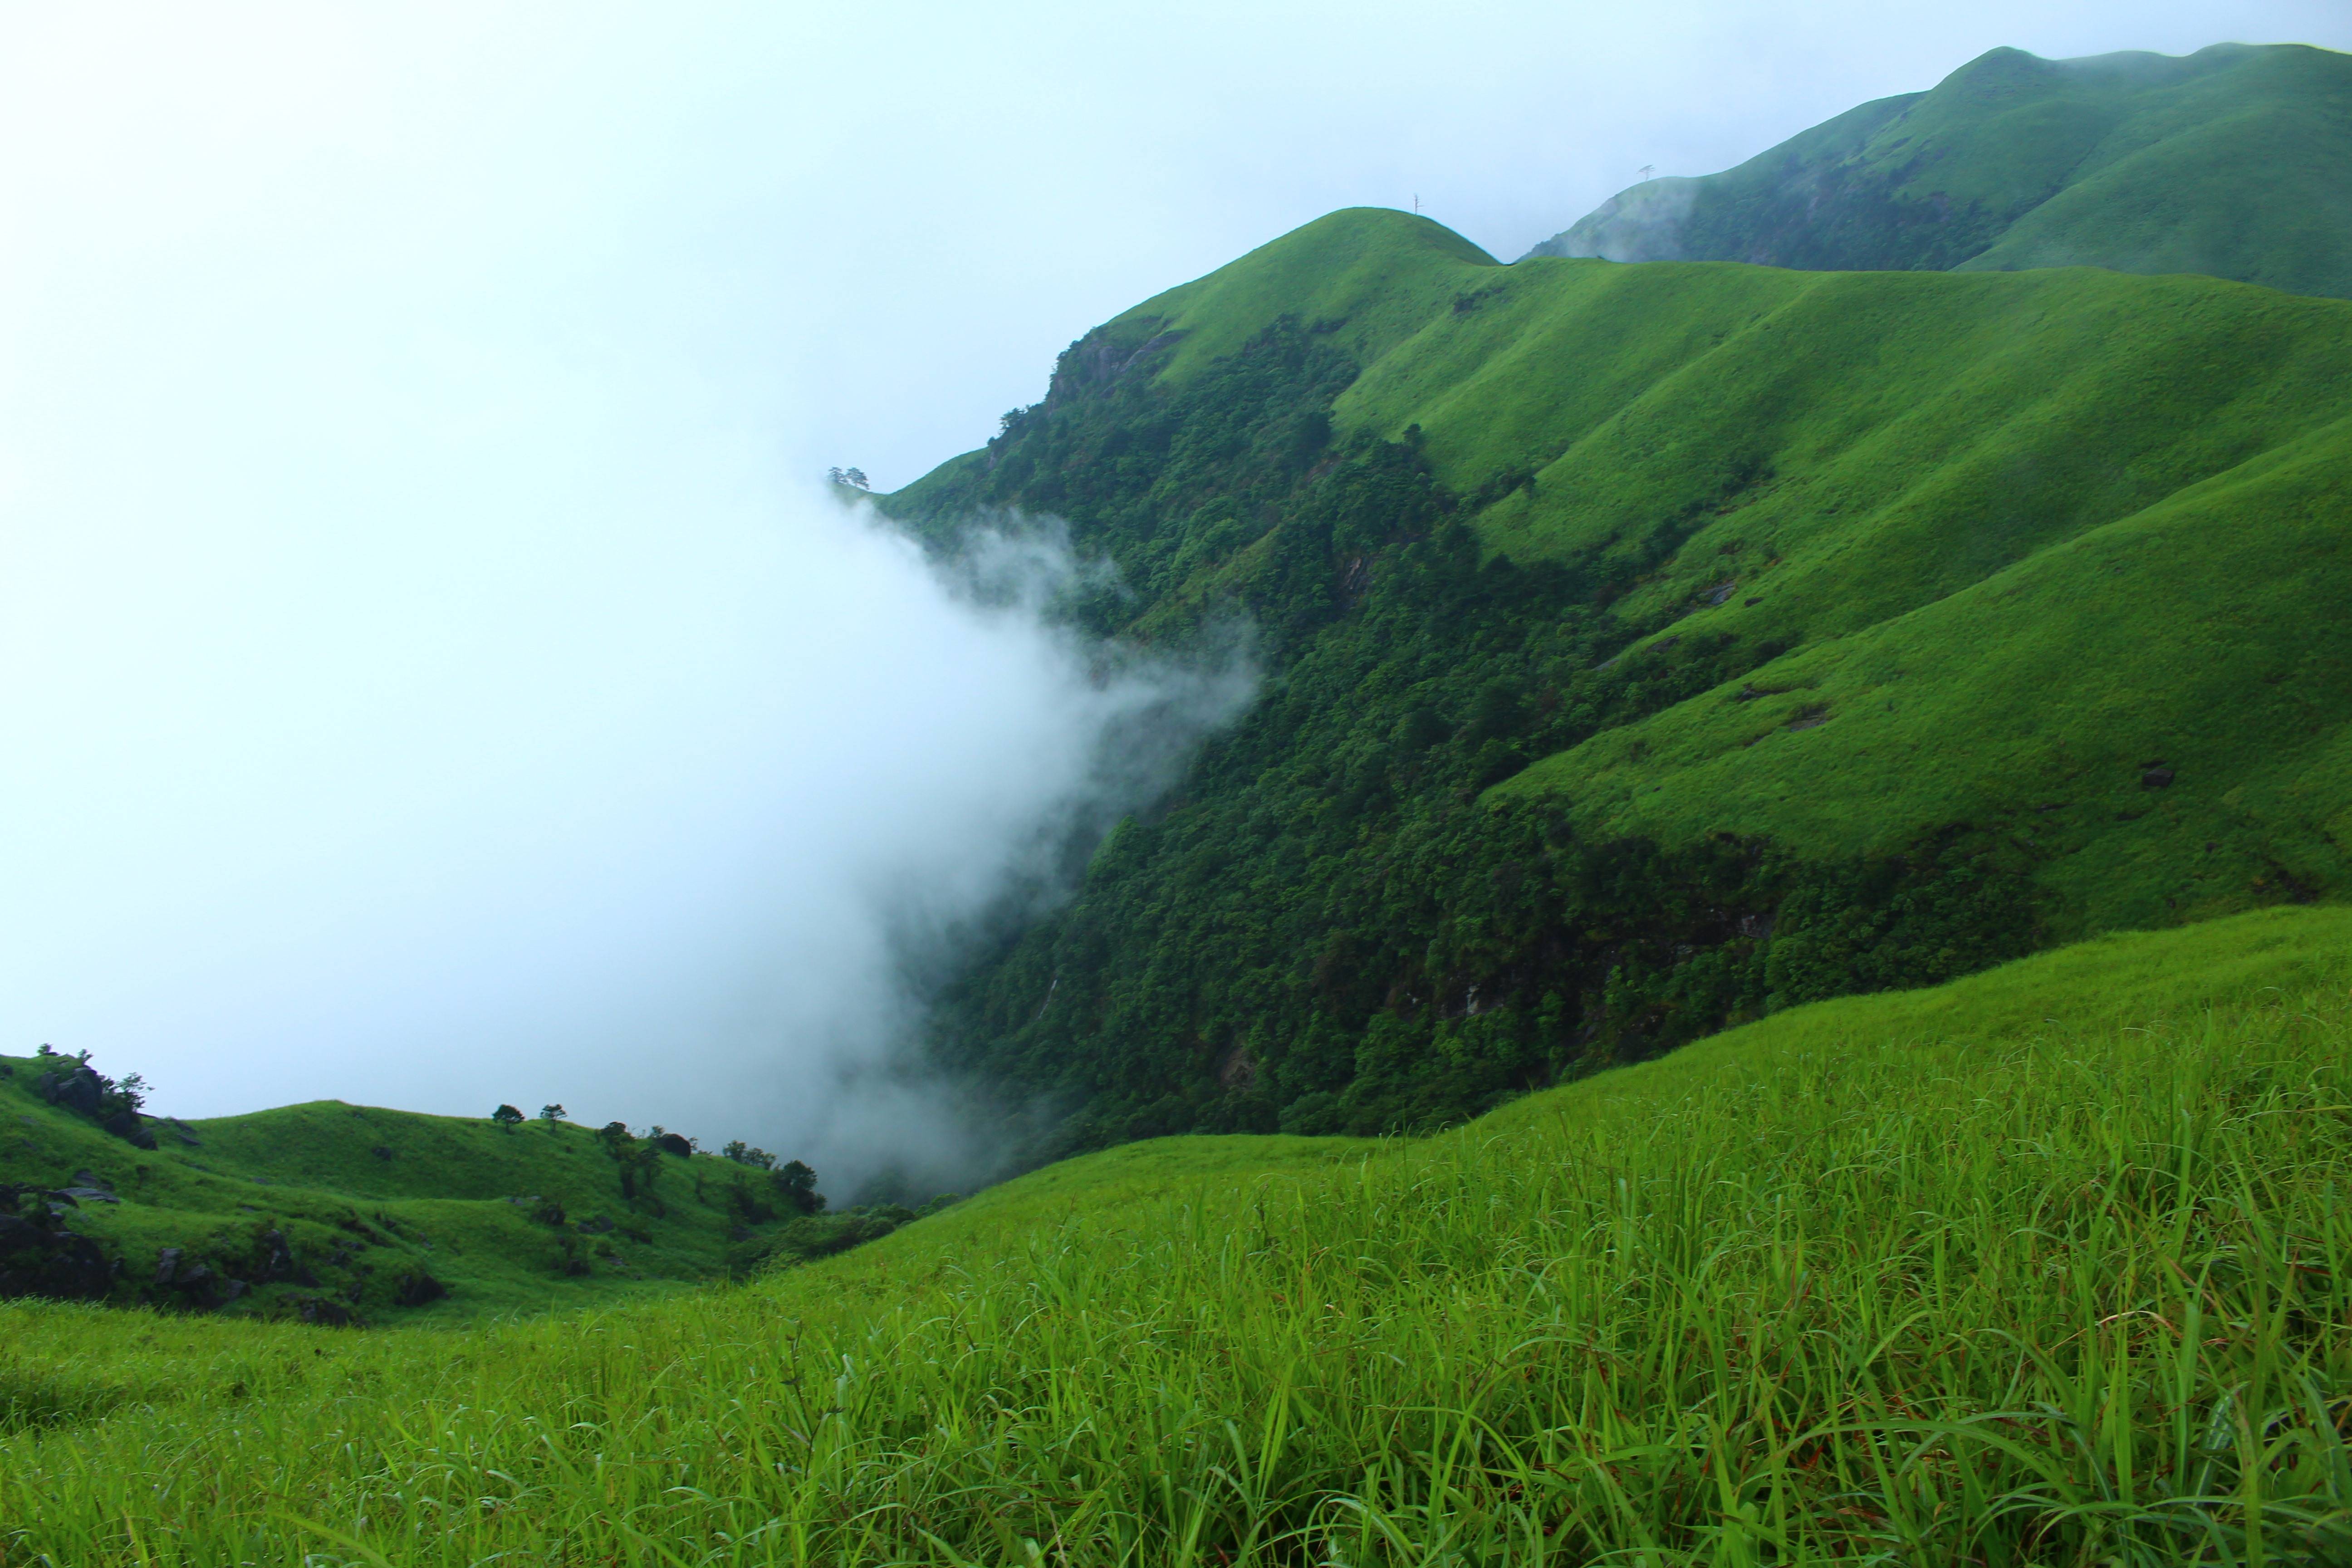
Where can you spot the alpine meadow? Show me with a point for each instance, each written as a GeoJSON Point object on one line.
{"type": "Point", "coordinates": [1764, 980]}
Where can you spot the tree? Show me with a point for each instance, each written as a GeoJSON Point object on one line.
{"type": "Point", "coordinates": [796, 1184]}
{"type": "Point", "coordinates": [507, 1117]}
{"type": "Point", "coordinates": [550, 1113]}
{"type": "Point", "coordinates": [742, 1154]}
{"type": "Point", "coordinates": [857, 477]}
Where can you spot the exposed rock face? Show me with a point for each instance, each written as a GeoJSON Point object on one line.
{"type": "Point", "coordinates": [39, 1257]}
{"type": "Point", "coordinates": [274, 1258]}
{"type": "Point", "coordinates": [197, 1285]}
{"type": "Point", "coordinates": [131, 1127]}
{"type": "Point", "coordinates": [417, 1288]}
{"type": "Point", "coordinates": [671, 1144]}
{"type": "Point", "coordinates": [326, 1313]}
{"type": "Point", "coordinates": [83, 1090]}
{"type": "Point", "coordinates": [77, 1090]}
{"type": "Point", "coordinates": [88, 1188]}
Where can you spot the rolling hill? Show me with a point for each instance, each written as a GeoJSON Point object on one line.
{"type": "Point", "coordinates": [2046, 1264]}
{"type": "Point", "coordinates": [1651, 646]}
{"type": "Point", "coordinates": [2235, 162]}
{"type": "Point", "coordinates": [342, 1215]}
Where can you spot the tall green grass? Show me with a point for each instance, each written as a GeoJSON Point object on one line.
{"type": "Point", "coordinates": [2050, 1266]}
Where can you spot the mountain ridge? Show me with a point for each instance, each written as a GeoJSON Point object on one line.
{"type": "Point", "coordinates": [1518, 538]}
{"type": "Point", "coordinates": [2234, 162]}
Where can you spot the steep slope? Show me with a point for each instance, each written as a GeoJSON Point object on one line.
{"type": "Point", "coordinates": [337, 1212]}
{"type": "Point", "coordinates": [2235, 162]}
{"type": "Point", "coordinates": [2153, 715]}
{"type": "Point", "coordinates": [2046, 1265]}
{"type": "Point", "coordinates": [1878, 627]}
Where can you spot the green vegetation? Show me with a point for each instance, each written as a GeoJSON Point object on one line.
{"type": "Point", "coordinates": [1862, 629]}
{"type": "Point", "coordinates": [2050, 1265]}
{"type": "Point", "coordinates": [1647, 651]}
{"type": "Point", "coordinates": [339, 1214]}
{"type": "Point", "coordinates": [2232, 163]}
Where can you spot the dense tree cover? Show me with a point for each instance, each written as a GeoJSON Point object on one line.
{"type": "Point", "coordinates": [1328, 930]}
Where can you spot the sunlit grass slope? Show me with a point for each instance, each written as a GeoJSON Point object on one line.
{"type": "Point", "coordinates": [2046, 1265]}
{"type": "Point", "coordinates": [2235, 161]}
{"type": "Point", "coordinates": [2013, 539]}
{"type": "Point", "coordinates": [362, 1201]}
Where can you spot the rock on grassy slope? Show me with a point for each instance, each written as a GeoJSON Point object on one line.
{"type": "Point", "coordinates": [2049, 1264]}
{"type": "Point", "coordinates": [339, 1214]}
{"type": "Point", "coordinates": [2234, 162]}
{"type": "Point", "coordinates": [1861, 628]}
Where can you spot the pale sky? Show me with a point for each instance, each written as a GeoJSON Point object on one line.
{"type": "Point", "coordinates": [427, 673]}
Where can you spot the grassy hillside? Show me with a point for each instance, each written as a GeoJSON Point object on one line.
{"type": "Point", "coordinates": [337, 1212]}
{"type": "Point", "coordinates": [2046, 1265]}
{"type": "Point", "coordinates": [2235, 162]}
{"type": "Point", "coordinates": [1862, 629]}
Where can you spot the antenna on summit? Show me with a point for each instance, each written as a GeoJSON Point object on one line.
{"type": "Point", "coordinates": [1416, 201]}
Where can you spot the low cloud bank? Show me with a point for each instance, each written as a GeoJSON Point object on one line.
{"type": "Point", "coordinates": [665, 819]}
{"type": "Point", "coordinates": [421, 687]}
{"type": "Point", "coordinates": [1039, 741]}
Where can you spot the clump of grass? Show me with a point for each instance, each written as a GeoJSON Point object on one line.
{"type": "Point", "coordinates": [2050, 1266]}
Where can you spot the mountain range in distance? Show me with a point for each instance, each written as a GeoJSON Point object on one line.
{"type": "Point", "coordinates": [2231, 161]}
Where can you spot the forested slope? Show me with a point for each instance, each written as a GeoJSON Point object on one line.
{"type": "Point", "coordinates": [2234, 162]}
{"type": "Point", "coordinates": [1863, 629]}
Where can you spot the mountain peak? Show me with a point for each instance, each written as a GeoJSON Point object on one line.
{"type": "Point", "coordinates": [2235, 162]}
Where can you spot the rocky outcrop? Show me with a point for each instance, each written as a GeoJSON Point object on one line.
{"type": "Point", "coordinates": [417, 1288]}
{"type": "Point", "coordinates": [40, 1256]}
{"type": "Point", "coordinates": [192, 1283]}
{"type": "Point", "coordinates": [85, 1092]}
{"type": "Point", "coordinates": [327, 1313]}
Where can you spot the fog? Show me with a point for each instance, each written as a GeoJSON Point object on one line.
{"type": "Point", "coordinates": [431, 670]}
{"type": "Point", "coordinates": [649, 816]}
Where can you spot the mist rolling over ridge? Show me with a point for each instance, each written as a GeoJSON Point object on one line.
{"type": "Point", "coordinates": [658, 834]}
{"type": "Point", "coordinates": [435, 674]}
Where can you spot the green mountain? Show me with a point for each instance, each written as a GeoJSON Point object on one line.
{"type": "Point", "coordinates": [2047, 1266]}
{"type": "Point", "coordinates": [1646, 651]}
{"type": "Point", "coordinates": [1649, 648]}
{"type": "Point", "coordinates": [2235, 162]}
{"type": "Point", "coordinates": [339, 1214]}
